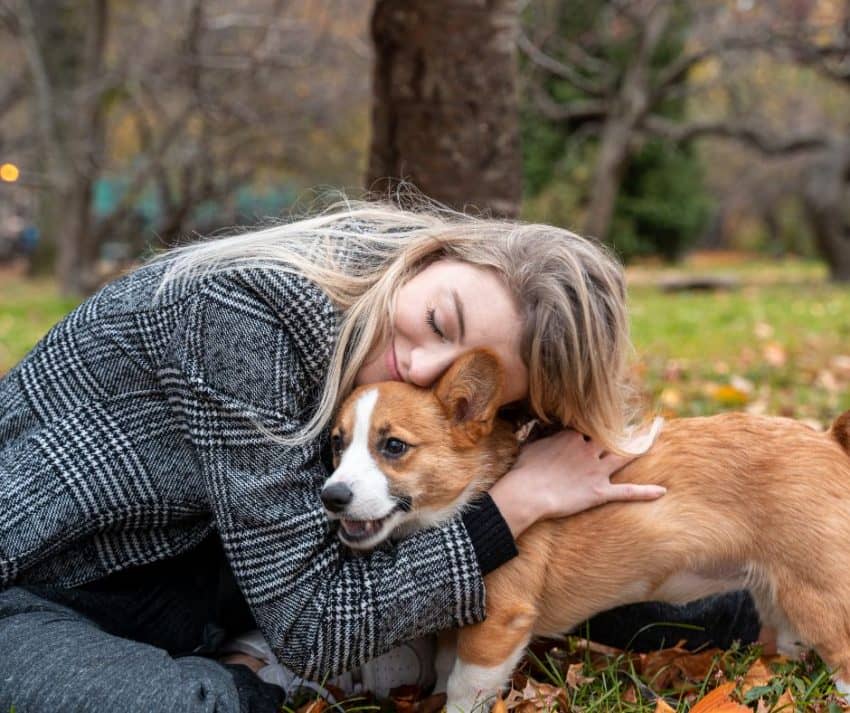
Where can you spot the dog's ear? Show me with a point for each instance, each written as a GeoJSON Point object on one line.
{"type": "Point", "coordinates": [840, 431]}
{"type": "Point", "coordinates": [470, 392]}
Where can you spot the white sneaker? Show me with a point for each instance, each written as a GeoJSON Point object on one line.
{"type": "Point", "coordinates": [412, 663]}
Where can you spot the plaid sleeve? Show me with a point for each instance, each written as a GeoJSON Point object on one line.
{"type": "Point", "coordinates": [240, 374]}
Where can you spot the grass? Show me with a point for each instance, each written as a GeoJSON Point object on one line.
{"type": "Point", "coordinates": [28, 308]}
{"type": "Point", "coordinates": [779, 343]}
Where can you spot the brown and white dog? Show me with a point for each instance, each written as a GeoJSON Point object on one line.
{"type": "Point", "coordinates": [752, 502]}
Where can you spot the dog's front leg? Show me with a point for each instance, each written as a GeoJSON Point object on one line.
{"type": "Point", "coordinates": [487, 654]}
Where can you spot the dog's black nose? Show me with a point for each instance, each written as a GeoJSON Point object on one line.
{"type": "Point", "coordinates": [336, 496]}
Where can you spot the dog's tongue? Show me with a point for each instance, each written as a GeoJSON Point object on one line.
{"type": "Point", "coordinates": [360, 528]}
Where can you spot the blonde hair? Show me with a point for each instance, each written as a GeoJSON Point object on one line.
{"type": "Point", "coordinates": [570, 291]}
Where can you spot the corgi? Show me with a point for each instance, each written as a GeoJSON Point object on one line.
{"type": "Point", "coordinates": [752, 502]}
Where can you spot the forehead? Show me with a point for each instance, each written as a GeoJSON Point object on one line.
{"type": "Point", "coordinates": [459, 274]}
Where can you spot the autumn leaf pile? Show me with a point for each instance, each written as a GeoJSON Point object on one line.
{"type": "Point", "coordinates": [579, 676]}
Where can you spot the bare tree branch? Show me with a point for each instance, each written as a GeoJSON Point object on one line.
{"type": "Point", "coordinates": [582, 110]}
{"type": "Point", "coordinates": [748, 134]}
{"type": "Point", "coordinates": [559, 69]}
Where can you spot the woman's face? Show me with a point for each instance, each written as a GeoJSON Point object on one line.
{"type": "Point", "coordinates": [447, 309]}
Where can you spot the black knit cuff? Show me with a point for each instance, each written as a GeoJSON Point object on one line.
{"type": "Point", "coordinates": [490, 535]}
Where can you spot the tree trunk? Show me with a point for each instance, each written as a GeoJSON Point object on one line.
{"type": "Point", "coordinates": [826, 197]}
{"type": "Point", "coordinates": [65, 46]}
{"type": "Point", "coordinates": [629, 107]}
{"type": "Point", "coordinates": [611, 161]}
{"type": "Point", "coordinates": [445, 112]}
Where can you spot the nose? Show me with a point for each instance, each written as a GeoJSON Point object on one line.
{"type": "Point", "coordinates": [426, 365]}
{"type": "Point", "coordinates": [335, 497]}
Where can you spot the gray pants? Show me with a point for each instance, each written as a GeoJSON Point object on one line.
{"type": "Point", "coordinates": [54, 659]}
{"type": "Point", "coordinates": [131, 642]}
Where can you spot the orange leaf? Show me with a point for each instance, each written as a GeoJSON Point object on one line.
{"type": "Point", "coordinates": [720, 701]}
{"type": "Point", "coordinates": [661, 706]}
{"type": "Point", "coordinates": [758, 675]}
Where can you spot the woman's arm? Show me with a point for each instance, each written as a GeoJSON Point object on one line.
{"type": "Point", "coordinates": [239, 361]}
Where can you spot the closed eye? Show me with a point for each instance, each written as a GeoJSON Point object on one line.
{"type": "Point", "coordinates": [432, 322]}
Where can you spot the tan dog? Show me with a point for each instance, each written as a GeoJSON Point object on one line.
{"type": "Point", "coordinates": [752, 502]}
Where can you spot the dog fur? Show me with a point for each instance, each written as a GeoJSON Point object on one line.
{"type": "Point", "coordinates": [752, 502]}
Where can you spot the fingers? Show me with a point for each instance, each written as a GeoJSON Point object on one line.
{"type": "Point", "coordinates": [631, 491]}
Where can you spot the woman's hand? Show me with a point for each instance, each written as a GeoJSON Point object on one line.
{"type": "Point", "coordinates": [561, 475]}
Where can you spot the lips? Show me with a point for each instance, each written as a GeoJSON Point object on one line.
{"type": "Point", "coordinates": [392, 364]}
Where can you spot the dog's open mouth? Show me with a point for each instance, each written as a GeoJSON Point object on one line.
{"type": "Point", "coordinates": [361, 530]}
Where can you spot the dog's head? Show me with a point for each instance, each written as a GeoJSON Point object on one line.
{"type": "Point", "coordinates": [407, 458]}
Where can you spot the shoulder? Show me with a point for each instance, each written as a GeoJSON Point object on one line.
{"type": "Point", "coordinates": [255, 319]}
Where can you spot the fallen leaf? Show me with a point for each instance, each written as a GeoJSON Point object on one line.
{"type": "Point", "coordinates": [763, 330]}
{"type": "Point", "coordinates": [727, 394]}
{"type": "Point", "coordinates": [720, 701]}
{"type": "Point", "coordinates": [757, 675]}
{"type": "Point", "coordinates": [774, 354]}
{"type": "Point", "coordinates": [741, 384]}
{"type": "Point", "coordinates": [840, 364]}
{"type": "Point", "coordinates": [671, 398]}
{"type": "Point", "coordinates": [661, 706]}
{"type": "Point", "coordinates": [826, 380]}
{"type": "Point", "coordinates": [548, 695]}
{"type": "Point", "coordinates": [669, 668]}
{"type": "Point", "coordinates": [575, 677]}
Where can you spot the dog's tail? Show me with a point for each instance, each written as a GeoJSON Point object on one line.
{"type": "Point", "coordinates": [840, 431]}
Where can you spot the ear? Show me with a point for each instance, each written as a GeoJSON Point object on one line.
{"type": "Point", "coordinates": [470, 392]}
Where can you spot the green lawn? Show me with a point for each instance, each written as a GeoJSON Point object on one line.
{"type": "Point", "coordinates": [780, 343]}
{"type": "Point", "coordinates": [28, 308]}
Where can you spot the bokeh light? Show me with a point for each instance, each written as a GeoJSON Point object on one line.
{"type": "Point", "coordinates": [9, 172]}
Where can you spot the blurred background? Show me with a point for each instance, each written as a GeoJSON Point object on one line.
{"type": "Point", "coordinates": [706, 141]}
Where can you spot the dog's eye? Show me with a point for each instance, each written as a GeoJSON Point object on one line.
{"type": "Point", "coordinates": [393, 448]}
{"type": "Point", "coordinates": [336, 444]}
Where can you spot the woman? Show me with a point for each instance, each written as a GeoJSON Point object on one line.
{"type": "Point", "coordinates": [161, 450]}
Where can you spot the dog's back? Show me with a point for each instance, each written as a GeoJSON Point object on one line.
{"type": "Point", "coordinates": [751, 501]}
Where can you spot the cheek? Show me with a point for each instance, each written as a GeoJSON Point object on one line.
{"type": "Point", "coordinates": [372, 370]}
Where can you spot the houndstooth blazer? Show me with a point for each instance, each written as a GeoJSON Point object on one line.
{"type": "Point", "coordinates": [129, 433]}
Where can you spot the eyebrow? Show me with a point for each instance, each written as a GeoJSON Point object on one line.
{"type": "Point", "coordinates": [459, 310]}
